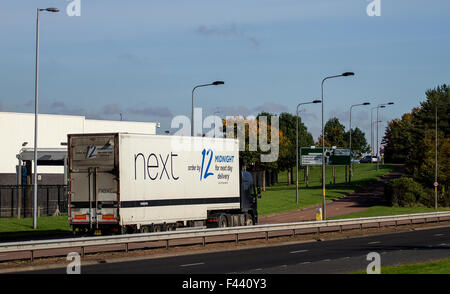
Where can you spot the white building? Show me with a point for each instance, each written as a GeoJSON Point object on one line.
{"type": "Point", "coordinates": [17, 132]}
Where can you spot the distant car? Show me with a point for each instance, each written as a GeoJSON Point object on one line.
{"type": "Point", "coordinates": [368, 159]}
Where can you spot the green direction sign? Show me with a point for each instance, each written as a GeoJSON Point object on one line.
{"type": "Point", "coordinates": [333, 156]}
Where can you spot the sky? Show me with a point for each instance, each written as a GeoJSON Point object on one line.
{"type": "Point", "coordinates": [142, 58]}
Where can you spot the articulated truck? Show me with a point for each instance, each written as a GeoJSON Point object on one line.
{"type": "Point", "coordinates": [127, 183]}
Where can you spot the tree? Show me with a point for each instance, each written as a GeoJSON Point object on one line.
{"type": "Point", "coordinates": [411, 140]}
{"type": "Point", "coordinates": [334, 133]}
{"type": "Point", "coordinates": [397, 140]}
{"type": "Point", "coordinates": [288, 123]}
{"type": "Point", "coordinates": [359, 142]}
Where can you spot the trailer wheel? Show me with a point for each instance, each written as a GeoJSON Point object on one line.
{"type": "Point", "coordinates": [222, 221]}
{"type": "Point", "coordinates": [249, 221]}
{"type": "Point", "coordinates": [144, 229]}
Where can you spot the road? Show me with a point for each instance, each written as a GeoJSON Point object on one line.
{"type": "Point", "coordinates": [333, 256]}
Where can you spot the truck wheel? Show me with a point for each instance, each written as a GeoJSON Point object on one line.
{"type": "Point", "coordinates": [144, 229]}
{"type": "Point", "coordinates": [242, 219]}
{"type": "Point", "coordinates": [249, 221]}
{"type": "Point", "coordinates": [222, 221]}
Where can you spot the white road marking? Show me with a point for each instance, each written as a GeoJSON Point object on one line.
{"type": "Point", "coordinates": [298, 251]}
{"type": "Point", "coordinates": [376, 242]}
{"type": "Point", "coordinates": [306, 262]}
{"type": "Point", "coordinates": [438, 235]}
{"type": "Point", "coordinates": [326, 260]}
{"type": "Point", "coordinates": [192, 264]}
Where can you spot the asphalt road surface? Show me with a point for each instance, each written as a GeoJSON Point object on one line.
{"type": "Point", "coordinates": [334, 256]}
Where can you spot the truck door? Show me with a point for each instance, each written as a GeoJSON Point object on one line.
{"type": "Point", "coordinates": [248, 195]}
{"type": "Point", "coordinates": [93, 176]}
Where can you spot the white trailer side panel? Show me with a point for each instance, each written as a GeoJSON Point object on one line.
{"type": "Point", "coordinates": [162, 180]}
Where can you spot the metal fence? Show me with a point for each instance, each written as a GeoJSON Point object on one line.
{"type": "Point", "coordinates": [16, 200]}
{"type": "Point", "coordinates": [109, 243]}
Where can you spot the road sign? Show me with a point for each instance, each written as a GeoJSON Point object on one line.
{"type": "Point", "coordinates": [333, 156]}
{"type": "Point", "coordinates": [436, 184]}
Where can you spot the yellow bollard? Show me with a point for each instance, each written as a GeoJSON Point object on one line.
{"type": "Point", "coordinates": [319, 214]}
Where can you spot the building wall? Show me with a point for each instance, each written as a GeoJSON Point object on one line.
{"type": "Point", "coordinates": [17, 128]}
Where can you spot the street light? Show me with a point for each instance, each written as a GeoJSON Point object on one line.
{"type": "Point", "coordinates": [372, 141]}
{"type": "Point", "coordinates": [351, 170]}
{"type": "Point", "coordinates": [296, 145]}
{"type": "Point", "coordinates": [216, 83]}
{"type": "Point", "coordinates": [345, 74]}
{"type": "Point", "coordinates": [435, 158]}
{"type": "Point", "coordinates": [378, 151]}
{"type": "Point", "coordinates": [36, 96]}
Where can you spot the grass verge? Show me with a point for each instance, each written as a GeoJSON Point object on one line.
{"type": "Point", "coordinates": [281, 197]}
{"type": "Point", "coordinates": [387, 210]}
{"type": "Point", "coordinates": [435, 267]}
{"type": "Point", "coordinates": [15, 228]}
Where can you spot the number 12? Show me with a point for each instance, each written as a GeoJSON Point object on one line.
{"type": "Point", "coordinates": [204, 154]}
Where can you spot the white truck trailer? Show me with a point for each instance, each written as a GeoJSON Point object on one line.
{"type": "Point", "coordinates": [125, 183]}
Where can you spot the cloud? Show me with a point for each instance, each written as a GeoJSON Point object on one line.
{"type": "Point", "coordinates": [111, 109]}
{"type": "Point", "coordinates": [271, 108]}
{"type": "Point", "coordinates": [154, 111]}
{"type": "Point", "coordinates": [129, 57]}
{"type": "Point", "coordinates": [59, 107]}
{"type": "Point", "coordinates": [230, 30]}
{"type": "Point", "coordinates": [233, 111]}
{"type": "Point", "coordinates": [239, 110]}
{"type": "Point", "coordinates": [307, 115]}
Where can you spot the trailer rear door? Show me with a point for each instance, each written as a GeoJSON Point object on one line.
{"type": "Point", "coordinates": [93, 170]}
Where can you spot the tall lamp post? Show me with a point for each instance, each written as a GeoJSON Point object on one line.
{"type": "Point", "coordinates": [216, 83]}
{"type": "Point", "coordinates": [372, 141]}
{"type": "Point", "coordinates": [351, 170]}
{"type": "Point", "coordinates": [345, 74]}
{"type": "Point", "coordinates": [435, 159]}
{"type": "Point", "coordinates": [296, 146]}
{"type": "Point", "coordinates": [36, 96]}
{"type": "Point", "coordinates": [378, 151]}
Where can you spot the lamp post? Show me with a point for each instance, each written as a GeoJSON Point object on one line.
{"type": "Point", "coordinates": [36, 96]}
{"type": "Point", "coordinates": [378, 151]}
{"type": "Point", "coordinates": [296, 146]}
{"type": "Point", "coordinates": [345, 74]}
{"type": "Point", "coordinates": [371, 131]}
{"type": "Point", "coordinates": [216, 83]}
{"type": "Point", "coordinates": [435, 159]}
{"type": "Point", "coordinates": [351, 163]}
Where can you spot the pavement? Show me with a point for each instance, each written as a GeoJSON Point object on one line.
{"type": "Point", "coordinates": [362, 199]}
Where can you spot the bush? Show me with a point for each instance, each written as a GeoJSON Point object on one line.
{"type": "Point", "coordinates": [405, 192]}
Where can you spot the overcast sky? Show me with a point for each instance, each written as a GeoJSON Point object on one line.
{"type": "Point", "coordinates": [142, 58]}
